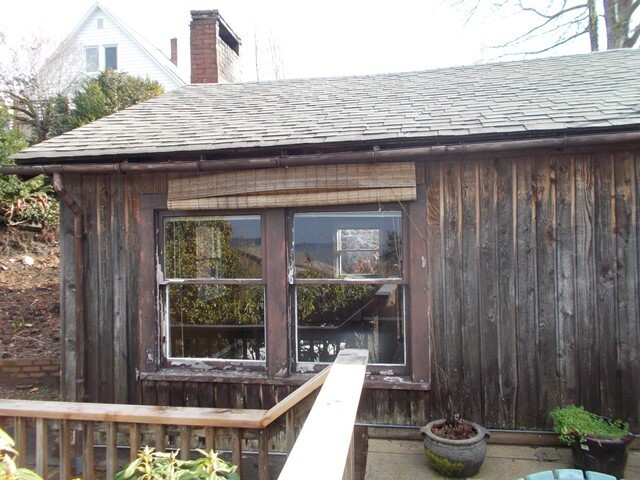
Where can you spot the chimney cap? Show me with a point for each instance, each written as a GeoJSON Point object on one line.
{"type": "Point", "coordinates": [201, 14]}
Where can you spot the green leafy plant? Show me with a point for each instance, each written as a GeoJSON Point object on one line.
{"type": "Point", "coordinates": [8, 468]}
{"type": "Point", "coordinates": [152, 465]}
{"type": "Point", "coordinates": [574, 423]}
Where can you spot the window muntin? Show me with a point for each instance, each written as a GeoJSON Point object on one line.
{"type": "Point", "coordinates": [91, 59]}
{"type": "Point", "coordinates": [213, 288]}
{"type": "Point", "coordinates": [348, 285]}
{"type": "Point", "coordinates": [111, 58]}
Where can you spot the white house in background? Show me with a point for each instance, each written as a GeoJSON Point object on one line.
{"type": "Point", "coordinates": [104, 41]}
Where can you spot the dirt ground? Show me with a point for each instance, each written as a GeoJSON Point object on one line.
{"type": "Point", "coordinates": [29, 304]}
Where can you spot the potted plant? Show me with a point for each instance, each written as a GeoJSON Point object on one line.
{"type": "Point", "coordinates": [597, 443]}
{"type": "Point", "coordinates": [454, 446]}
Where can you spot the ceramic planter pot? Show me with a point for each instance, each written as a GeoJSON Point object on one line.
{"type": "Point", "coordinates": [602, 455]}
{"type": "Point", "coordinates": [455, 458]}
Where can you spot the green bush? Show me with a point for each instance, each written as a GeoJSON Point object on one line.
{"type": "Point", "coordinates": [152, 465]}
{"type": "Point", "coordinates": [23, 202]}
{"type": "Point", "coordinates": [574, 423]}
{"type": "Point", "coordinates": [8, 468]}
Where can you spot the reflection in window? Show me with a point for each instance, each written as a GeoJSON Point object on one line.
{"type": "Point", "coordinates": [111, 58]}
{"type": "Point", "coordinates": [91, 59]}
{"type": "Point", "coordinates": [348, 287]}
{"type": "Point", "coordinates": [213, 287]}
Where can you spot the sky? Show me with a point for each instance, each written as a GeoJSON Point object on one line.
{"type": "Point", "coordinates": [310, 38]}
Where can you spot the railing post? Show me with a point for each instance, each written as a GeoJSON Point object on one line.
{"type": "Point", "coordinates": [65, 450]}
{"type": "Point", "coordinates": [185, 442]}
{"type": "Point", "coordinates": [20, 437]}
{"type": "Point", "coordinates": [134, 441]}
{"type": "Point", "coordinates": [42, 455]}
{"type": "Point", "coordinates": [263, 454]}
{"type": "Point", "coordinates": [88, 464]}
{"type": "Point", "coordinates": [236, 449]}
{"type": "Point", "coordinates": [112, 449]}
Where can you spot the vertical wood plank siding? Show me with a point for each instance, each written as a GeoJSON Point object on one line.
{"type": "Point", "coordinates": [546, 263]}
{"type": "Point", "coordinates": [532, 281]}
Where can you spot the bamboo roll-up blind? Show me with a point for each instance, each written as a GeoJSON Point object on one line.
{"type": "Point", "coordinates": [295, 187]}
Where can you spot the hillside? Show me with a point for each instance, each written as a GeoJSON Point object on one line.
{"type": "Point", "coordinates": [29, 304]}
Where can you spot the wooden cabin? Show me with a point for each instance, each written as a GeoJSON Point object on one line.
{"type": "Point", "coordinates": [220, 243]}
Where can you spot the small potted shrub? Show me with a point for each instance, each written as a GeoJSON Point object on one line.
{"type": "Point", "coordinates": [455, 447]}
{"type": "Point", "coordinates": [597, 443]}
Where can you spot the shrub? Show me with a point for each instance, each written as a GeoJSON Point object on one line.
{"type": "Point", "coordinates": [574, 423]}
{"type": "Point", "coordinates": [166, 466]}
{"type": "Point", "coordinates": [8, 454]}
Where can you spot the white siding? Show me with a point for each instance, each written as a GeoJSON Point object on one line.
{"type": "Point", "coordinates": [132, 58]}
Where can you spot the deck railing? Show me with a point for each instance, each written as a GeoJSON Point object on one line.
{"type": "Point", "coordinates": [81, 430]}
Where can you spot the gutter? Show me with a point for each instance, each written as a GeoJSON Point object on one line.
{"type": "Point", "coordinates": [78, 242]}
{"type": "Point", "coordinates": [432, 152]}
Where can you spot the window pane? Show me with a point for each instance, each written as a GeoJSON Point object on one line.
{"type": "Point", "coordinates": [216, 321]}
{"type": "Point", "coordinates": [212, 247]}
{"type": "Point", "coordinates": [348, 244]}
{"type": "Point", "coordinates": [111, 57]}
{"type": "Point", "coordinates": [91, 59]}
{"type": "Point", "coordinates": [333, 317]}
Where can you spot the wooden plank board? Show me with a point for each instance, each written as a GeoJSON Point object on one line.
{"type": "Point", "coordinates": [330, 422]}
{"type": "Point", "coordinates": [470, 300]}
{"type": "Point", "coordinates": [546, 285]}
{"type": "Point", "coordinates": [566, 279]}
{"type": "Point", "coordinates": [434, 179]}
{"type": "Point", "coordinates": [488, 286]}
{"type": "Point", "coordinates": [606, 291]}
{"type": "Point", "coordinates": [104, 290]}
{"type": "Point", "coordinates": [586, 326]}
{"type": "Point", "coordinates": [526, 313]}
{"type": "Point", "coordinates": [628, 279]}
{"type": "Point", "coordinates": [505, 233]}
{"type": "Point", "coordinates": [91, 340]}
{"type": "Point", "coordinates": [107, 412]}
{"type": "Point", "coordinates": [118, 244]}
{"type": "Point", "coordinates": [451, 236]}
{"type": "Point", "coordinates": [416, 331]}
{"type": "Point", "coordinates": [132, 255]}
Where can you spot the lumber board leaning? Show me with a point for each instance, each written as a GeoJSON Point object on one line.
{"type": "Point", "coordinates": [149, 414]}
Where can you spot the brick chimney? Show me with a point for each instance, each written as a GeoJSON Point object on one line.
{"type": "Point", "coordinates": [174, 51]}
{"type": "Point", "coordinates": [215, 49]}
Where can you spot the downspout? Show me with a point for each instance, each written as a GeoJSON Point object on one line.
{"type": "Point", "coordinates": [78, 244]}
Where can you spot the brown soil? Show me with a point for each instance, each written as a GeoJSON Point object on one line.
{"type": "Point", "coordinates": [29, 303]}
{"type": "Point", "coordinates": [461, 431]}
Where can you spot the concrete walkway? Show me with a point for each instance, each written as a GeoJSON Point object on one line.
{"type": "Point", "coordinates": [405, 459]}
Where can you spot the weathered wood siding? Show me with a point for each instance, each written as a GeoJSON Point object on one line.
{"type": "Point", "coordinates": [533, 295]}
{"type": "Point", "coordinates": [533, 283]}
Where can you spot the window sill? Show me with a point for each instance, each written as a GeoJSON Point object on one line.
{"type": "Point", "coordinates": [244, 376]}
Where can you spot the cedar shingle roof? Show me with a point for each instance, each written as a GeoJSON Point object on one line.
{"type": "Point", "coordinates": [573, 93]}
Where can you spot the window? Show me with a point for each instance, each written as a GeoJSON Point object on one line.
{"type": "Point", "coordinates": [100, 23]}
{"type": "Point", "coordinates": [111, 58]}
{"type": "Point", "coordinates": [275, 271]}
{"type": "Point", "coordinates": [348, 285]}
{"type": "Point", "coordinates": [91, 59]}
{"type": "Point", "coordinates": [212, 287]}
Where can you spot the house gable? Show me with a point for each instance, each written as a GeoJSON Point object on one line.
{"type": "Point", "coordinates": [100, 30]}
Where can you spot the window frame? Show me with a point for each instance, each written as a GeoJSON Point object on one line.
{"type": "Point", "coordinates": [97, 58]}
{"type": "Point", "coordinates": [280, 368]}
{"type": "Point", "coordinates": [115, 49]}
{"type": "Point", "coordinates": [301, 366]}
{"type": "Point", "coordinates": [164, 284]}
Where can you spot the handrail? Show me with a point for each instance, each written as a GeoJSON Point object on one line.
{"type": "Point", "coordinates": [330, 422]}
{"type": "Point", "coordinates": [253, 424]}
